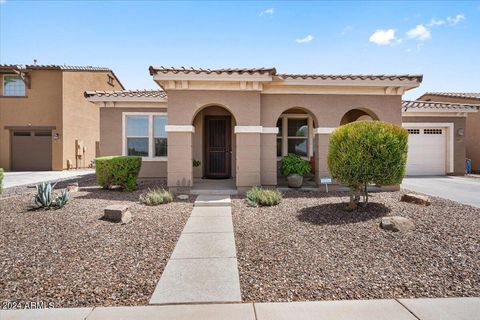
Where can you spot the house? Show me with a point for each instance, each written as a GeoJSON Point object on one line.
{"type": "Point", "coordinates": [437, 141]}
{"type": "Point", "coordinates": [239, 122]}
{"type": "Point", "coordinates": [45, 122]}
{"type": "Point", "coordinates": [472, 131]}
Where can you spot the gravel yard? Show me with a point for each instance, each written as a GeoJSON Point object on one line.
{"type": "Point", "coordinates": [309, 248]}
{"type": "Point", "coordinates": [72, 258]}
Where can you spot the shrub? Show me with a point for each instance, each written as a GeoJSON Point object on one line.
{"type": "Point", "coordinates": [258, 196]}
{"type": "Point", "coordinates": [156, 196]}
{"type": "Point", "coordinates": [62, 199]}
{"type": "Point", "coordinates": [44, 197]}
{"type": "Point", "coordinates": [363, 152]}
{"type": "Point", "coordinates": [118, 171]}
{"type": "Point", "coordinates": [294, 164]}
{"type": "Point", "coordinates": [1, 180]}
{"type": "Point", "coordinates": [196, 163]}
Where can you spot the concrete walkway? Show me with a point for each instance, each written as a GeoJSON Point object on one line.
{"type": "Point", "coordinates": [465, 190]}
{"type": "Point", "coordinates": [391, 309]}
{"type": "Point", "coordinates": [203, 266]}
{"type": "Point", "coordinates": [22, 178]}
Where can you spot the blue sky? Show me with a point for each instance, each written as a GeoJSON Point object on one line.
{"type": "Point", "coordinates": [438, 39]}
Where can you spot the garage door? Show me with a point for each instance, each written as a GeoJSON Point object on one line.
{"type": "Point", "coordinates": [427, 151]}
{"type": "Point", "coordinates": [31, 150]}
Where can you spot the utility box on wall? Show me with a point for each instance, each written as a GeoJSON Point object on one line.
{"type": "Point", "coordinates": [80, 150]}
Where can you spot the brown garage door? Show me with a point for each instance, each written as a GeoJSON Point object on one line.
{"type": "Point", "coordinates": [31, 150]}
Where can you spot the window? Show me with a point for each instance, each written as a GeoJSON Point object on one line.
{"type": "Point", "coordinates": [145, 135]}
{"type": "Point", "coordinates": [13, 86]}
{"type": "Point", "coordinates": [413, 131]}
{"type": "Point", "coordinates": [295, 135]}
{"type": "Point", "coordinates": [110, 80]}
{"type": "Point", "coordinates": [432, 131]}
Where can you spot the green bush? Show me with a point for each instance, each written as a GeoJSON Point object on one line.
{"type": "Point", "coordinates": [156, 196]}
{"type": "Point", "coordinates": [258, 196]}
{"type": "Point", "coordinates": [294, 164]}
{"type": "Point", "coordinates": [361, 153]}
{"type": "Point", "coordinates": [119, 171]}
{"type": "Point", "coordinates": [1, 180]}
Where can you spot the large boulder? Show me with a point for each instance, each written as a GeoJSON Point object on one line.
{"type": "Point", "coordinates": [416, 198]}
{"type": "Point", "coordinates": [397, 224]}
{"type": "Point", "coordinates": [117, 213]}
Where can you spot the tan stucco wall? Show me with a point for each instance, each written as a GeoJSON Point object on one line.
{"type": "Point", "coordinates": [459, 143]}
{"type": "Point", "coordinates": [111, 138]}
{"type": "Point", "coordinates": [42, 106]}
{"type": "Point", "coordinates": [81, 118]}
{"type": "Point", "coordinates": [472, 132]}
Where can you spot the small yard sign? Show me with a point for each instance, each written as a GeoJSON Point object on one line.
{"type": "Point", "coordinates": [326, 180]}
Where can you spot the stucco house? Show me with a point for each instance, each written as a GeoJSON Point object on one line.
{"type": "Point", "coordinates": [472, 121]}
{"type": "Point", "coordinates": [239, 122]}
{"type": "Point", "coordinates": [45, 122]}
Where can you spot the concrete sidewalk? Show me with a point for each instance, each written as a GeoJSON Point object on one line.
{"type": "Point", "coordinates": [401, 309]}
{"type": "Point", "coordinates": [203, 266]}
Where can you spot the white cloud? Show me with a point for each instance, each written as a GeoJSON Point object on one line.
{"type": "Point", "coordinates": [3, 1]}
{"type": "Point", "coordinates": [346, 30]}
{"type": "Point", "coordinates": [383, 37]}
{"type": "Point", "coordinates": [434, 22]}
{"type": "Point", "coordinates": [306, 39]}
{"type": "Point", "coordinates": [269, 11]}
{"type": "Point", "coordinates": [419, 32]}
{"type": "Point", "coordinates": [455, 20]}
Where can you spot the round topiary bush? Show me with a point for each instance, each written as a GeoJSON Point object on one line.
{"type": "Point", "coordinates": [119, 171]}
{"type": "Point", "coordinates": [361, 153]}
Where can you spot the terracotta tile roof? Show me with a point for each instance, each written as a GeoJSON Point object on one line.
{"type": "Point", "coordinates": [162, 69]}
{"type": "Point", "coordinates": [466, 95]}
{"type": "Point", "coordinates": [53, 67]}
{"type": "Point", "coordinates": [127, 94]}
{"type": "Point", "coordinates": [444, 106]}
{"type": "Point", "coordinates": [411, 77]}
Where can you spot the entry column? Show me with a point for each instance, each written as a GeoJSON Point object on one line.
{"type": "Point", "coordinates": [321, 158]}
{"type": "Point", "coordinates": [179, 167]}
{"type": "Point", "coordinates": [248, 156]}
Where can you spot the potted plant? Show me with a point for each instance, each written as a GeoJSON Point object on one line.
{"type": "Point", "coordinates": [294, 168]}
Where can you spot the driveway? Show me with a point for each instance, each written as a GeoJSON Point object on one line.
{"type": "Point", "coordinates": [465, 190]}
{"type": "Point", "coordinates": [21, 178]}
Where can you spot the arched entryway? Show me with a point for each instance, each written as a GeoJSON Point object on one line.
{"type": "Point", "coordinates": [362, 114]}
{"type": "Point", "coordinates": [213, 143]}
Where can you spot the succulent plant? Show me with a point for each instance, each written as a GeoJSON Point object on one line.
{"type": "Point", "coordinates": [43, 198]}
{"type": "Point", "coordinates": [62, 199]}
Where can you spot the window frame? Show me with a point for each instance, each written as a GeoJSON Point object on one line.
{"type": "Point", "coordinates": [16, 76]}
{"type": "Point", "coordinates": [284, 138]}
{"type": "Point", "coordinates": [151, 133]}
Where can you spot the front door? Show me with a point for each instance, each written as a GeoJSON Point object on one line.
{"type": "Point", "coordinates": [217, 147]}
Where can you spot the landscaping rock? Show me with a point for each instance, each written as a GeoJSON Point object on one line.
{"type": "Point", "coordinates": [73, 187]}
{"type": "Point", "coordinates": [117, 213]}
{"type": "Point", "coordinates": [415, 198]}
{"type": "Point", "coordinates": [396, 224]}
{"type": "Point", "coordinates": [183, 196]}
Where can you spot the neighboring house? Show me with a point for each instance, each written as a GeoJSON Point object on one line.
{"type": "Point", "coordinates": [240, 122]}
{"type": "Point", "coordinates": [437, 136]}
{"type": "Point", "coordinates": [45, 122]}
{"type": "Point", "coordinates": [472, 131]}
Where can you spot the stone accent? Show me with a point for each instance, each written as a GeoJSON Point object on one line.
{"type": "Point", "coordinates": [73, 187]}
{"type": "Point", "coordinates": [397, 224]}
{"type": "Point", "coordinates": [117, 213]}
{"type": "Point", "coordinates": [415, 198]}
{"type": "Point", "coordinates": [183, 196]}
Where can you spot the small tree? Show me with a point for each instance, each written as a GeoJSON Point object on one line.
{"type": "Point", "coordinates": [364, 152]}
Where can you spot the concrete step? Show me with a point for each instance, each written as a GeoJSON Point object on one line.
{"type": "Point", "coordinates": [231, 192]}
{"type": "Point", "coordinates": [204, 200]}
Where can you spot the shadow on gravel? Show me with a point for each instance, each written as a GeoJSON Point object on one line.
{"type": "Point", "coordinates": [335, 214]}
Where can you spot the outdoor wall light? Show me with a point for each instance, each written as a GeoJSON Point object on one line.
{"type": "Point", "coordinates": [460, 132]}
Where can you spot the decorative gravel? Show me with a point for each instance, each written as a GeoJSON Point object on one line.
{"type": "Point", "coordinates": [310, 248]}
{"type": "Point", "coordinates": [72, 258]}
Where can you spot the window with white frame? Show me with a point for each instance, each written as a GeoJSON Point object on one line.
{"type": "Point", "coordinates": [295, 135]}
{"type": "Point", "coordinates": [13, 86]}
{"type": "Point", "coordinates": [145, 135]}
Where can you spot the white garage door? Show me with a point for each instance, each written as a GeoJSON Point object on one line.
{"type": "Point", "coordinates": [427, 151]}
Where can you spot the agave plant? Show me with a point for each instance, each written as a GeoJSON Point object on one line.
{"type": "Point", "coordinates": [43, 198]}
{"type": "Point", "coordinates": [62, 199]}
